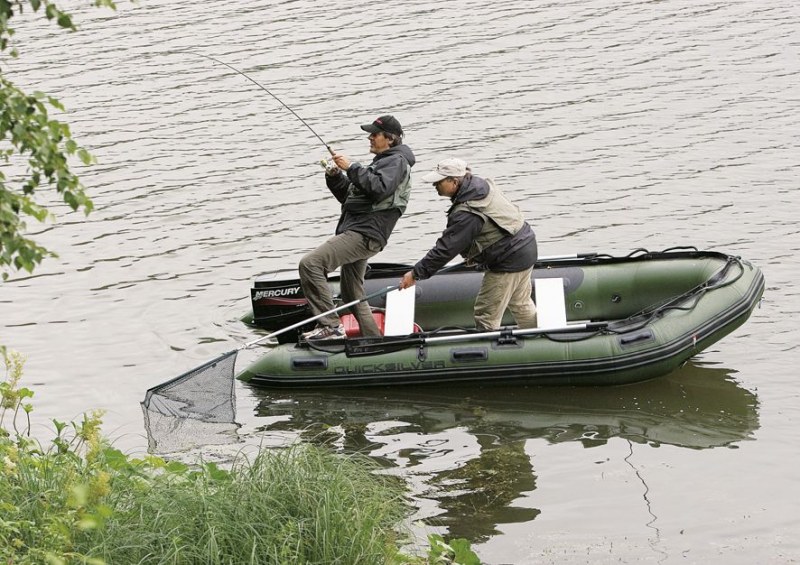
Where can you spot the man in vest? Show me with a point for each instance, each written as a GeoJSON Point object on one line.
{"type": "Point", "coordinates": [490, 232]}
{"type": "Point", "coordinates": [373, 198]}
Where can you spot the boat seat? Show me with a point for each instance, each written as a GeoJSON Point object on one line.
{"type": "Point", "coordinates": [551, 310]}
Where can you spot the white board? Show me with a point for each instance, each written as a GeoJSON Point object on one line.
{"type": "Point", "coordinates": [400, 312]}
{"type": "Point", "coordinates": [551, 311]}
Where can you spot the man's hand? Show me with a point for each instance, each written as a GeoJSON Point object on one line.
{"type": "Point", "coordinates": [407, 280]}
{"type": "Point", "coordinates": [341, 161]}
{"type": "Point", "coordinates": [330, 168]}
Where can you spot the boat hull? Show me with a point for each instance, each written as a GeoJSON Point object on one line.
{"type": "Point", "coordinates": [637, 318]}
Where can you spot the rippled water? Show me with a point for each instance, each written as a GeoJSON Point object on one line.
{"type": "Point", "coordinates": [614, 125]}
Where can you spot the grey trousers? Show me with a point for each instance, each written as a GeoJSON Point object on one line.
{"type": "Point", "coordinates": [350, 251]}
{"type": "Point", "coordinates": [505, 290]}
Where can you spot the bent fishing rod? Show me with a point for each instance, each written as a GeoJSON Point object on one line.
{"type": "Point", "coordinates": [234, 69]}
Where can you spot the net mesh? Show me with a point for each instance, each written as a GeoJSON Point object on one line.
{"type": "Point", "coordinates": [197, 408]}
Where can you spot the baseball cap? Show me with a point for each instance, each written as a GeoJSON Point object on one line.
{"type": "Point", "coordinates": [452, 167]}
{"type": "Point", "coordinates": [387, 123]}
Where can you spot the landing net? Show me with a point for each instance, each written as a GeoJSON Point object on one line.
{"type": "Point", "coordinates": [197, 408]}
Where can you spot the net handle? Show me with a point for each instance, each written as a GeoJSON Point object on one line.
{"type": "Point", "coordinates": [318, 316]}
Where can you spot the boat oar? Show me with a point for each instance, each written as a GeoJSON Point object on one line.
{"type": "Point", "coordinates": [356, 348]}
{"type": "Point", "coordinates": [223, 366]}
{"type": "Point", "coordinates": [585, 327]}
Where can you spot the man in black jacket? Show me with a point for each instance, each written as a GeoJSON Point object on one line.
{"type": "Point", "coordinates": [373, 198]}
{"type": "Point", "coordinates": [490, 232]}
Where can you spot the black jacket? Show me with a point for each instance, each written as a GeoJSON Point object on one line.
{"type": "Point", "coordinates": [378, 181]}
{"type": "Point", "coordinates": [511, 254]}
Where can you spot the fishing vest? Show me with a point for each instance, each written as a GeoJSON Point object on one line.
{"type": "Point", "coordinates": [360, 203]}
{"type": "Point", "coordinates": [501, 219]}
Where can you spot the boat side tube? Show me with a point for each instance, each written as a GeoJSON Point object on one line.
{"type": "Point", "coordinates": [360, 347]}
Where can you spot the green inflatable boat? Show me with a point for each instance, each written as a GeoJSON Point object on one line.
{"type": "Point", "coordinates": [625, 319]}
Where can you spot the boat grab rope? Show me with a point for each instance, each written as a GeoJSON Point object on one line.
{"type": "Point", "coordinates": [644, 252]}
{"type": "Point", "coordinates": [682, 302]}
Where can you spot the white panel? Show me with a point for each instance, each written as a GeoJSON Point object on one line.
{"type": "Point", "coordinates": [550, 307]}
{"type": "Point", "coordinates": [400, 312]}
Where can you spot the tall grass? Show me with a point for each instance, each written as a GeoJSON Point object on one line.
{"type": "Point", "coordinates": [79, 500]}
{"type": "Point", "coordinates": [293, 506]}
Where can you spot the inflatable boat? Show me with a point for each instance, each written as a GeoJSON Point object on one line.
{"type": "Point", "coordinates": [618, 320]}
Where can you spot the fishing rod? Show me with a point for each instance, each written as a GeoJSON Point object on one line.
{"type": "Point", "coordinates": [234, 69]}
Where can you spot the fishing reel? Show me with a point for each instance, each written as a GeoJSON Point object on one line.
{"type": "Point", "coordinates": [329, 166]}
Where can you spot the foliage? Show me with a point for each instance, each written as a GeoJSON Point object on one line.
{"type": "Point", "coordinates": [79, 500]}
{"type": "Point", "coordinates": [49, 495]}
{"type": "Point", "coordinates": [299, 505]}
{"type": "Point", "coordinates": [455, 552]}
{"type": "Point", "coordinates": [29, 134]}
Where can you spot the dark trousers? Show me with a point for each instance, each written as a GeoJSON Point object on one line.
{"type": "Point", "coordinates": [348, 251]}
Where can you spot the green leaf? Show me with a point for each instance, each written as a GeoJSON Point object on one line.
{"type": "Point", "coordinates": [59, 426]}
{"type": "Point", "coordinates": [216, 473]}
{"type": "Point", "coordinates": [114, 458]}
{"type": "Point", "coordinates": [65, 21]}
{"type": "Point", "coordinates": [85, 156]}
{"type": "Point", "coordinates": [464, 555]}
{"type": "Point", "coordinates": [176, 467]}
{"type": "Point", "coordinates": [70, 199]}
{"type": "Point", "coordinates": [55, 103]}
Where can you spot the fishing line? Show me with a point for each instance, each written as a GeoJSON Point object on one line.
{"type": "Point", "coordinates": [234, 69]}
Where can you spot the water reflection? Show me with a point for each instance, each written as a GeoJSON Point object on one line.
{"type": "Point", "coordinates": [463, 450]}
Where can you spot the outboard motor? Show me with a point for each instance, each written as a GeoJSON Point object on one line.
{"type": "Point", "coordinates": [278, 301]}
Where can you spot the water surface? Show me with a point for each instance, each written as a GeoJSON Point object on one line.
{"type": "Point", "coordinates": [613, 124]}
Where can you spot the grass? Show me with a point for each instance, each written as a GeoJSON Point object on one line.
{"type": "Point", "coordinates": [79, 500]}
{"type": "Point", "coordinates": [293, 506]}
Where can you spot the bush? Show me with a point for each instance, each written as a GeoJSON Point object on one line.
{"type": "Point", "coordinates": [80, 500]}
{"type": "Point", "coordinates": [299, 505]}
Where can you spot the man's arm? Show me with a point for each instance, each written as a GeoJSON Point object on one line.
{"type": "Point", "coordinates": [462, 228]}
{"type": "Point", "coordinates": [338, 184]}
{"type": "Point", "coordinates": [380, 179]}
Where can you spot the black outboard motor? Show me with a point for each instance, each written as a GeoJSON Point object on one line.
{"type": "Point", "coordinates": [278, 301]}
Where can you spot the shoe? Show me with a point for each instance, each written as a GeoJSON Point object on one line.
{"type": "Point", "coordinates": [325, 332]}
{"type": "Point", "coordinates": [305, 335]}
{"type": "Point", "coordinates": [317, 329]}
